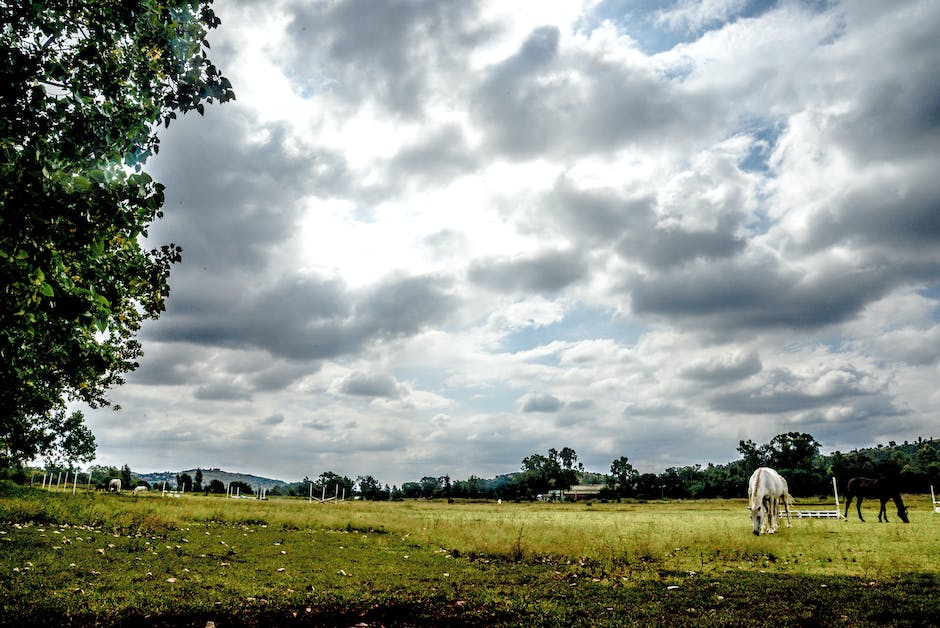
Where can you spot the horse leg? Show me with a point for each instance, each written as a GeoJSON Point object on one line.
{"type": "Point", "coordinates": [883, 510]}
{"type": "Point", "coordinates": [858, 506]}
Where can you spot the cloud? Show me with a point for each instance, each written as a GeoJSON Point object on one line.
{"type": "Point", "coordinates": [637, 232]}
{"type": "Point", "coordinates": [274, 419]}
{"type": "Point", "coordinates": [228, 206]}
{"type": "Point", "coordinates": [305, 318]}
{"type": "Point", "coordinates": [544, 272]}
{"type": "Point", "coordinates": [221, 391]}
{"type": "Point", "coordinates": [544, 100]}
{"type": "Point", "coordinates": [693, 16]}
{"type": "Point", "coordinates": [754, 294]}
{"type": "Point", "coordinates": [723, 369]}
{"type": "Point", "coordinates": [371, 385]}
{"type": "Point", "coordinates": [542, 403]}
{"type": "Point", "coordinates": [380, 52]}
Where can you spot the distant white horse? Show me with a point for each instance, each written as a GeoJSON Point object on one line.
{"type": "Point", "coordinates": [114, 485]}
{"type": "Point", "coordinates": [765, 490]}
{"type": "Point", "coordinates": [140, 489]}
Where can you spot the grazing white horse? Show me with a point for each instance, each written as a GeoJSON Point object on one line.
{"type": "Point", "coordinates": [140, 489]}
{"type": "Point", "coordinates": [114, 485]}
{"type": "Point", "coordinates": [765, 490]}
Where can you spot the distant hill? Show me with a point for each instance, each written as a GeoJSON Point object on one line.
{"type": "Point", "coordinates": [213, 474]}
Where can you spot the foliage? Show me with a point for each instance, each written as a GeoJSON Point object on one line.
{"type": "Point", "coordinates": [85, 87]}
{"type": "Point", "coordinates": [184, 482]}
{"type": "Point", "coordinates": [624, 474]}
{"type": "Point", "coordinates": [914, 465]}
{"type": "Point", "coordinates": [557, 471]}
{"type": "Point", "coordinates": [370, 488]}
{"type": "Point", "coordinates": [238, 487]}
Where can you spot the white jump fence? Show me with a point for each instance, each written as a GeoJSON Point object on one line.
{"type": "Point", "coordinates": [821, 513]}
{"type": "Point", "coordinates": [933, 500]}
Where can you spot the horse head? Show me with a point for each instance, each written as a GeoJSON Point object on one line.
{"type": "Point", "coordinates": [757, 517]}
{"type": "Point", "coordinates": [902, 513]}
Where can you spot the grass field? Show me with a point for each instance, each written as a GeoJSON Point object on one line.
{"type": "Point", "coordinates": [99, 559]}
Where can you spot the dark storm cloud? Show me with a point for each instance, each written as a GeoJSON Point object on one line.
{"type": "Point", "coordinates": [604, 217]}
{"type": "Point", "coordinates": [745, 294]}
{"type": "Point", "coordinates": [540, 102]}
{"type": "Point", "coordinates": [897, 213]}
{"type": "Point", "coordinates": [897, 107]}
{"type": "Point", "coordinates": [370, 385]}
{"type": "Point", "coordinates": [542, 403]}
{"type": "Point", "coordinates": [181, 364]}
{"type": "Point", "coordinates": [380, 51]}
{"type": "Point", "coordinates": [785, 392]}
{"type": "Point", "coordinates": [723, 371]}
{"type": "Point", "coordinates": [544, 272]}
{"type": "Point", "coordinates": [402, 306]}
{"type": "Point", "coordinates": [304, 318]}
{"type": "Point", "coordinates": [443, 155]}
{"type": "Point", "coordinates": [227, 204]}
{"type": "Point", "coordinates": [222, 391]}
{"type": "Point", "coordinates": [274, 419]}
{"type": "Point", "coordinates": [166, 365]}
{"type": "Point", "coordinates": [274, 376]}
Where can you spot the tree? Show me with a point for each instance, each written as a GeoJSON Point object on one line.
{"type": "Point", "coordinates": [792, 450]}
{"type": "Point", "coordinates": [216, 486]}
{"type": "Point", "coordinates": [85, 87]}
{"type": "Point", "coordinates": [126, 478]}
{"type": "Point", "coordinates": [335, 485]}
{"type": "Point", "coordinates": [624, 474]}
{"type": "Point", "coordinates": [753, 455]}
{"type": "Point", "coordinates": [184, 482]}
{"type": "Point", "coordinates": [197, 481]}
{"type": "Point", "coordinates": [240, 488]}
{"type": "Point", "coordinates": [558, 470]}
{"type": "Point", "coordinates": [430, 487]}
{"type": "Point", "coordinates": [411, 490]}
{"type": "Point", "coordinates": [369, 487]}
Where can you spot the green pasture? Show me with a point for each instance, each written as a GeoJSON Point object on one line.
{"type": "Point", "coordinates": [100, 559]}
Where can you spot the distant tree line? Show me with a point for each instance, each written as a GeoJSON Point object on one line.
{"type": "Point", "coordinates": [914, 466]}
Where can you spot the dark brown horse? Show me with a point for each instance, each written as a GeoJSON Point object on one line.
{"type": "Point", "coordinates": [879, 489]}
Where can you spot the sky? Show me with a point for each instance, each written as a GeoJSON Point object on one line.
{"type": "Point", "coordinates": [434, 237]}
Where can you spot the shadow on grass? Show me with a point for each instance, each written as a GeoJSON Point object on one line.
{"type": "Point", "coordinates": [543, 597]}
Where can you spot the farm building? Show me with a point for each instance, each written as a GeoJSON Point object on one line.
{"type": "Point", "coordinates": [583, 491]}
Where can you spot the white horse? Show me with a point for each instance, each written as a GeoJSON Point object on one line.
{"type": "Point", "coordinates": [140, 489]}
{"type": "Point", "coordinates": [765, 490]}
{"type": "Point", "coordinates": [114, 485]}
